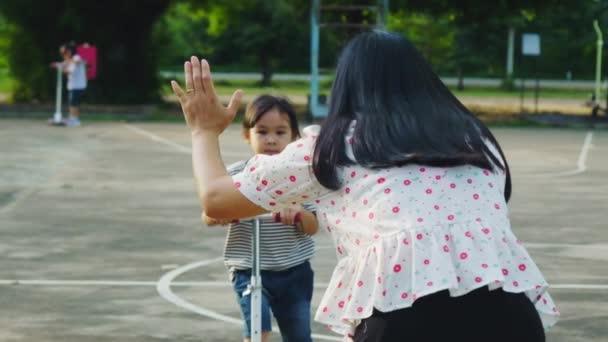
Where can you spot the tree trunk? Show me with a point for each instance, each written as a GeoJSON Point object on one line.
{"type": "Point", "coordinates": [460, 85]}
{"type": "Point", "coordinates": [266, 72]}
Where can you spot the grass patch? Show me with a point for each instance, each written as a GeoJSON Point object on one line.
{"type": "Point", "coordinates": [7, 84]}
{"type": "Point", "coordinates": [551, 93]}
{"type": "Point", "coordinates": [250, 87]}
{"type": "Point", "coordinates": [225, 87]}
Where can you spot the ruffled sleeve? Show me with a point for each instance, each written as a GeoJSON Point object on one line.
{"type": "Point", "coordinates": [282, 180]}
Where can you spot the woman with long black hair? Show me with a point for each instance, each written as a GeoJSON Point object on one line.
{"type": "Point", "coordinates": [411, 185]}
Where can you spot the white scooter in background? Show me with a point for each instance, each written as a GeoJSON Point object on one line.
{"type": "Point", "coordinates": [57, 119]}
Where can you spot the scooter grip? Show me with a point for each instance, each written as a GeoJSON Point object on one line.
{"type": "Point", "coordinates": [297, 219]}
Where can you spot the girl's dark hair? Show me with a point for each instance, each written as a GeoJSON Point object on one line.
{"type": "Point", "coordinates": [71, 46]}
{"type": "Point", "coordinates": [265, 103]}
{"type": "Point", "coordinates": [404, 113]}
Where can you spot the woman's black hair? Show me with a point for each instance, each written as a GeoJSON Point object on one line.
{"type": "Point", "coordinates": [404, 113]}
{"type": "Point", "coordinates": [263, 104]}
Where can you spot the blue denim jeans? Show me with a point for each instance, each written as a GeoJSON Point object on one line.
{"type": "Point", "coordinates": [75, 97]}
{"type": "Point", "coordinates": [287, 293]}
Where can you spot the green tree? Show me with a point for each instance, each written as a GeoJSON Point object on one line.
{"type": "Point", "coordinates": [266, 36]}
{"type": "Point", "coordinates": [121, 30]}
{"type": "Point", "coordinates": [184, 30]}
{"type": "Point", "coordinates": [434, 36]}
{"type": "Point", "coordinates": [568, 40]}
{"type": "Point", "coordinates": [481, 27]}
{"type": "Point", "coordinates": [4, 43]}
{"type": "Point", "coordinates": [260, 33]}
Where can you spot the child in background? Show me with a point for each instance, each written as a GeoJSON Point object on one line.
{"type": "Point", "coordinates": [269, 125]}
{"type": "Point", "coordinates": [75, 68]}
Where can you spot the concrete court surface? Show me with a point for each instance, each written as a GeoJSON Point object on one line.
{"type": "Point", "coordinates": [100, 237]}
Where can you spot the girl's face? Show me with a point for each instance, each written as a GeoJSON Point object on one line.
{"type": "Point", "coordinates": [270, 134]}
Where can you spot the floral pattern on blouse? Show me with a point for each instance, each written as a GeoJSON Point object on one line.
{"type": "Point", "coordinates": [401, 233]}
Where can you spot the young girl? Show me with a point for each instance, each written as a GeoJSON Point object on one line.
{"type": "Point", "coordinates": [75, 68]}
{"type": "Point", "coordinates": [269, 125]}
{"type": "Point", "coordinates": [414, 190]}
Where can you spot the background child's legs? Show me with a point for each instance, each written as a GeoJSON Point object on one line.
{"type": "Point", "coordinates": [240, 282]}
{"type": "Point", "coordinates": [74, 111]}
{"type": "Point", "coordinates": [291, 294]}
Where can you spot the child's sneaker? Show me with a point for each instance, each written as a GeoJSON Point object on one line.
{"type": "Point", "coordinates": [72, 122]}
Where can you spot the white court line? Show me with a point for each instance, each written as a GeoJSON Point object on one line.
{"type": "Point", "coordinates": [159, 139]}
{"type": "Point", "coordinates": [210, 284]}
{"type": "Point", "coordinates": [176, 146]}
{"type": "Point", "coordinates": [122, 283]}
{"type": "Point", "coordinates": [564, 245]}
{"type": "Point", "coordinates": [164, 289]}
{"type": "Point", "coordinates": [581, 164]}
{"type": "Point", "coordinates": [578, 286]}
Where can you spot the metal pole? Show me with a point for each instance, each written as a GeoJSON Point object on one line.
{"type": "Point", "coordinates": [256, 286]}
{"type": "Point", "coordinates": [314, 58]}
{"type": "Point", "coordinates": [521, 95]}
{"type": "Point", "coordinates": [510, 52]}
{"type": "Point", "coordinates": [58, 91]}
{"type": "Point", "coordinates": [598, 61]}
{"type": "Point", "coordinates": [537, 86]}
{"type": "Point", "coordinates": [382, 14]}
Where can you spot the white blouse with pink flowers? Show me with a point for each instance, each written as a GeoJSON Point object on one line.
{"type": "Point", "coordinates": [401, 233]}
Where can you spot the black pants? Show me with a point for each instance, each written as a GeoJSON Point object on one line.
{"type": "Point", "coordinates": [479, 316]}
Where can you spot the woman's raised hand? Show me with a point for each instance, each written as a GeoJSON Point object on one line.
{"type": "Point", "coordinates": [202, 108]}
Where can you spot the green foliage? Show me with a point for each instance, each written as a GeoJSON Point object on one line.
{"type": "Point", "coordinates": [134, 38]}
{"type": "Point", "coordinates": [5, 30]}
{"type": "Point", "coordinates": [263, 33]}
{"type": "Point", "coordinates": [185, 30]}
{"type": "Point", "coordinates": [480, 34]}
{"type": "Point", "coordinates": [251, 35]}
{"type": "Point", "coordinates": [433, 36]}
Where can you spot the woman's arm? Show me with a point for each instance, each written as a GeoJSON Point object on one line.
{"type": "Point", "coordinates": [310, 225]}
{"type": "Point", "coordinates": [207, 119]}
{"type": "Point", "coordinates": [268, 183]}
{"type": "Point", "coordinates": [217, 194]}
{"type": "Point", "coordinates": [210, 221]}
